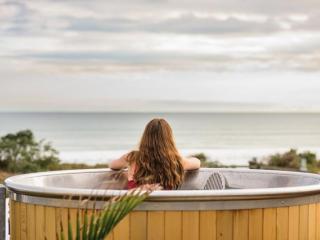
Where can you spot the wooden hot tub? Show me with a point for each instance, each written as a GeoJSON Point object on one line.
{"type": "Point", "coordinates": [256, 204]}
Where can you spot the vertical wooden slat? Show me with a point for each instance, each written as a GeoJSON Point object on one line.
{"type": "Point", "coordinates": [58, 218]}
{"type": "Point", "coordinates": [255, 224]}
{"type": "Point", "coordinates": [224, 225]}
{"type": "Point", "coordinates": [241, 224]}
{"type": "Point", "coordinates": [40, 222]}
{"type": "Point", "coordinates": [13, 227]}
{"type": "Point", "coordinates": [23, 221]}
{"type": "Point", "coordinates": [318, 221]}
{"type": "Point", "coordinates": [73, 220]}
{"type": "Point", "coordinates": [312, 222]}
{"type": "Point", "coordinates": [208, 225]}
{"type": "Point", "coordinates": [138, 225]}
{"type": "Point", "coordinates": [121, 231]}
{"type": "Point", "coordinates": [303, 222]}
{"type": "Point", "coordinates": [190, 225]}
{"type": "Point", "coordinates": [173, 225]}
{"type": "Point", "coordinates": [50, 223]}
{"type": "Point", "coordinates": [269, 224]}
{"type": "Point", "coordinates": [31, 227]}
{"type": "Point", "coordinates": [155, 225]}
{"type": "Point", "coordinates": [294, 223]}
{"type": "Point", "coordinates": [18, 220]}
{"type": "Point", "coordinates": [64, 220]}
{"type": "Point", "coordinates": [282, 223]}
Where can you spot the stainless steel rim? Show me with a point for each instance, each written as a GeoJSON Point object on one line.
{"type": "Point", "coordinates": [16, 184]}
{"type": "Point", "coordinates": [22, 191]}
{"type": "Point", "coordinates": [172, 206]}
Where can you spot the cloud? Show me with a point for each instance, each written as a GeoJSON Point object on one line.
{"type": "Point", "coordinates": [185, 24]}
{"type": "Point", "coordinates": [72, 38]}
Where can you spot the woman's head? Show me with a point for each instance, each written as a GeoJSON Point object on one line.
{"type": "Point", "coordinates": [158, 160]}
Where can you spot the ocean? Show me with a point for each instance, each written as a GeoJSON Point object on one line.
{"type": "Point", "coordinates": [231, 138]}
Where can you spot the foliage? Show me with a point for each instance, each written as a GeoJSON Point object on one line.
{"type": "Point", "coordinates": [101, 223]}
{"type": "Point", "coordinates": [290, 160]}
{"type": "Point", "coordinates": [20, 152]}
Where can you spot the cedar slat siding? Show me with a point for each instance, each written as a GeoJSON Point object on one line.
{"type": "Point", "coordinates": [294, 223]}
{"type": "Point", "coordinates": [241, 224]}
{"type": "Point", "coordinates": [155, 225]}
{"type": "Point", "coordinates": [40, 221]}
{"type": "Point", "coordinates": [190, 225]}
{"type": "Point", "coordinates": [122, 229]}
{"type": "Point", "coordinates": [255, 224]}
{"type": "Point", "coordinates": [208, 224]}
{"type": "Point", "coordinates": [30, 221]}
{"type": "Point", "coordinates": [270, 224]}
{"type": "Point", "coordinates": [173, 225]}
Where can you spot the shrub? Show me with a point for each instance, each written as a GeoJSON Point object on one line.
{"type": "Point", "coordinates": [20, 152]}
{"type": "Point", "coordinates": [290, 160]}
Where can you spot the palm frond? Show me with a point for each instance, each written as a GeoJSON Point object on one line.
{"type": "Point", "coordinates": [101, 223]}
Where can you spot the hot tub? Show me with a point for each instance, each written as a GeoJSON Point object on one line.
{"type": "Point", "coordinates": [254, 204]}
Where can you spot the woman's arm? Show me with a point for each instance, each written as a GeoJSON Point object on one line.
{"type": "Point", "coordinates": [119, 163]}
{"type": "Point", "coordinates": [191, 163]}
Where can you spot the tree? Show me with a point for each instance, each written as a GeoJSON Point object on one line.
{"type": "Point", "coordinates": [20, 152]}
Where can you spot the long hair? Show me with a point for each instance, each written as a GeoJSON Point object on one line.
{"type": "Point", "coordinates": [158, 160]}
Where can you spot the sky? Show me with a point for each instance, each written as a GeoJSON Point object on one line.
{"type": "Point", "coordinates": [160, 55]}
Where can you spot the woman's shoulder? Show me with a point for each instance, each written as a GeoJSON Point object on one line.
{"type": "Point", "coordinates": [130, 156]}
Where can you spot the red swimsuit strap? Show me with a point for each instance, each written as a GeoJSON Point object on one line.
{"type": "Point", "coordinates": [131, 184]}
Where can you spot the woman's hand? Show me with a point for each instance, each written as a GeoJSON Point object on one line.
{"type": "Point", "coordinates": [191, 163]}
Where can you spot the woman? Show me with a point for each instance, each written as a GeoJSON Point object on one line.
{"type": "Point", "coordinates": [157, 161]}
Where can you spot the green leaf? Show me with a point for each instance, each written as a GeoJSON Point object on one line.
{"type": "Point", "coordinates": [85, 225]}
{"type": "Point", "coordinates": [96, 226]}
{"type": "Point", "coordinates": [91, 227]}
{"type": "Point", "coordinates": [69, 227]}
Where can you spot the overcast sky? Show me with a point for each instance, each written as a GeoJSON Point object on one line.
{"type": "Point", "coordinates": [160, 55]}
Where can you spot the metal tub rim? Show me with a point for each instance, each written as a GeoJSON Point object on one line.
{"type": "Point", "coordinates": [17, 185]}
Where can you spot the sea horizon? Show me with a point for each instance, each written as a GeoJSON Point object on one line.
{"type": "Point", "coordinates": [231, 138]}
